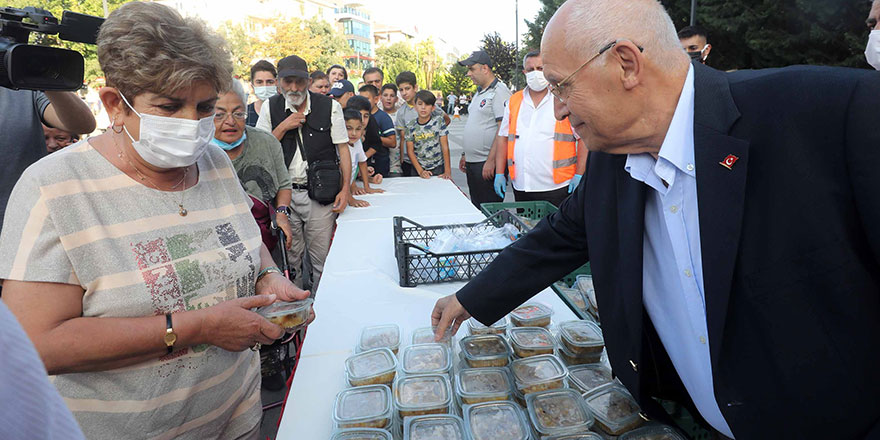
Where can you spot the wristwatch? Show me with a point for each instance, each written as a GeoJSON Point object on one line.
{"type": "Point", "coordinates": [283, 210]}
{"type": "Point", "coordinates": [170, 337]}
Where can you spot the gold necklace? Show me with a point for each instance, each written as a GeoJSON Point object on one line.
{"type": "Point", "coordinates": [181, 210]}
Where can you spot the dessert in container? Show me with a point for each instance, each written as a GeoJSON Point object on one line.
{"type": "Point", "coordinates": [288, 314]}
{"type": "Point", "coordinates": [363, 407]}
{"type": "Point", "coordinates": [581, 337]}
{"type": "Point", "coordinates": [426, 359]}
{"type": "Point", "coordinates": [485, 351]}
{"type": "Point", "coordinates": [434, 427]}
{"type": "Point", "coordinates": [531, 341]}
{"type": "Point", "coordinates": [496, 420]}
{"type": "Point", "coordinates": [588, 377]}
{"type": "Point", "coordinates": [371, 367]}
{"type": "Point", "coordinates": [578, 359]}
{"type": "Point", "coordinates": [478, 385]}
{"type": "Point", "coordinates": [477, 328]}
{"type": "Point", "coordinates": [425, 335]}
{"type": "Point", "coordinates": [361, 434]}
{"type": "Point", "coordinates": [653, 432]}
{"type": "Point", "coordinates": [531, 315]}
{"type": "Point", "coordinates": [558, 412]}
{"type": "Point", "coordinates": [614, 409]}
{"type": "Point", "coordinates": [422, 394]}
{"type": "Point", "coordinates": [379, 336]}
{"type": "Point", "coordinates": [538, 373]}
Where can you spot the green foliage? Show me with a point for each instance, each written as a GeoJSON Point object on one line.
{"type": "Point", "coordinates": [503, 55]}
{"type": "Point", "coordinates": [455, 80]}
{"type": "Point", "coordinates": [532, 37]}
{"type": "Point", "coordinates": [396, 58]}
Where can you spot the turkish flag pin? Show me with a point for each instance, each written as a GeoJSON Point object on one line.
{"type": "Point", "coordinates": [729, 161]}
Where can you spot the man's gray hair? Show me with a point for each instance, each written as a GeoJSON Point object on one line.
{"type": "Point", "coordinates": [239, 91]}
{"type": "Point", "coordinates": [644, 22]}
{"type": "Point", "coordinates": [536, 53]}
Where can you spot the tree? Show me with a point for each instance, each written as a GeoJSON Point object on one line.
{"type": "Point", "coordinates": [532, 37]}
{"type": "Point", "coordinates": [396, 58]}
{"type": "Point", "coordinates": [503, 55]}
{"type": "Point", "coordinates": [456, 81]}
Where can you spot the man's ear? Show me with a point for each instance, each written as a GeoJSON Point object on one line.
{"type": "Point", "coordinates": [631, 61]}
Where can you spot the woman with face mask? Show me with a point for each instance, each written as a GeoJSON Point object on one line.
{"type": "Point", "coordinates": [132, 259]}
{"type": "Point", "coordinates": [263, 82]}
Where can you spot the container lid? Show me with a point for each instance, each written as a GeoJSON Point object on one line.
{"type": "Point", "coordinates": [370, 363]}
{"type": "Point", "coordinates": [537, 369]}
{"type": "Point", "coordinates": [584, 283]}
{"type": "Point", "coordinates": [380, 336]}
{"type": "Point", "coordinates": [581, 334]}
{"type": "Point", "coordinates": [484, 347]}
{"type": "Point", "coordinates": [558, 411]}
{"type": "Point", "coordinates": [426, 358]}
{"type": "Point", "coordinates": [425, 335]}
{"type": "Point", "coordinates": [531, 312]}
{"type": "Point", "coordinates": [499, 325]}
{"type": "Point", "coordinates": [284, 308]}
{"type": "Point", "coordinates": [422, 392]}
{"type": "Point", "coordinates": [433, 427]}
{"type": "Point", "coordinates": [531, 338]}
{"type": "Point", "coordinates": [362, 404]}
{"type": "Point", "coordinates": [652, 432]}
{"type": "Point", "coordinates": [361, 434]}
{"type": "Point", "coordinates": [496, 420]}
{"type": "Point", "coordinates": [612, 405]}
{"type": "Point", "coordinates": [581, 436]}
{"type": "Point", "coordinates": [589, 376]}
{"type": "Point", "coordinates": [483, 382]}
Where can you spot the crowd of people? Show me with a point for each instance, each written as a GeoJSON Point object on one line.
{"type": "Point", "coordinates": [132, 258]}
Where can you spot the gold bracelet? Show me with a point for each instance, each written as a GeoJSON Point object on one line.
{"type": "Point", "coordinates": [267, 271]}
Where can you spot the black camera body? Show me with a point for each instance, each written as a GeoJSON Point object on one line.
{"type": "Point", "coordinates": [31, 67]}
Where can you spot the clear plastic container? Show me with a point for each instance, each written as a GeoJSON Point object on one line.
{"type": "Point", "coordinates": [496, 420]}
{"type": "Point", "coordinates": [372, 367]}
{"type": "Point", "coordinates": [558, 412]}
{"type": "Point", "coordinates": [584, 283]}
{"type": "Point", "coordinates": [422, 394]}
{"type": "Point", "coordinates": [478, 385]}
{"type": "Point", "coordinates": [531, 315]}
{"type": "Point", "coordinates": [574, 295]}
{"type": "Point", "coordinates": [361, 434]}
{"type": "Point", "coordinates": [363, 407]}
{"type": "Point", "coordinates": [477, 328]}
{"type": "Point", "coordinates": [653, 432]}
{"type": "Point", "coordinates": [425, 335]}
{"type": "Point", "coordinates": [426, 359]}
{"type": "Point", "coordinates": [379, 336]}
{"type": "Point", "coordinates": [538, 373]}
{"type": "Point", "coordinates": [589, 377]}
{"type": "Point", "coordinates": [578, 359]}
{"type": "Point", "coordinates": [581, 337]}
{"type": "Point", "coordinates": [289, 315]}
{"type": "Point", "coordinates": [531, 341]}
{"type": "Point", "coordinates": [614, 409]}
{"type": "Point", "coordinates": [485, 351]}
{"type": "Point", "coordinates": [580, 436]}
{"type": "Point", "coordinates": [435, 427]}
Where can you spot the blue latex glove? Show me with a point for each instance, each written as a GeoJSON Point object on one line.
{"type": "Point", "coordinates": [575, 181]}
{"type": "Point", "coordinates": [500, 185]}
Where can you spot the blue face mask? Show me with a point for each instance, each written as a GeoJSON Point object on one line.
{"type": "Point", "coordinates": [226, 146]}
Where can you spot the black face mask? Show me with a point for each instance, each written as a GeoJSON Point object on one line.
{"type": "Point", "coordinates": [697, 55]}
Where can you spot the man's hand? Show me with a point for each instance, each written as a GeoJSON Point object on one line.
{"type": "Point", "coordinates": [447, 175]}
{"type": "Point", "coordinates": [375, 190]}
{"type": "Point", "coordinates": [425, 174]}
{"type": "Point", "coordinates": [500, 185]}
{"type": "Point", "coordinates": [461, 165]}
{"type": "Point", "coordinates": [284, 224]}
{"type": "Point", "coordinates": [357, 191]}
{"type": "Point", "coordinates": [575, 181]}
{"type": "Point", "coordinates": [294, 121]}
{"type": "Point", "coordinates": [488, 170]}
{"type": "Point", "coordinates": [448, 312]}
{"type": "Point", "coordinates": [341, 202]}
{"type": "Point", "coordinates": [358, 203]}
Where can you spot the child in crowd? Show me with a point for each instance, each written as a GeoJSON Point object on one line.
{"type": "Point", "coordinates": [406, 83]}
{"type": "Point", "coordinates": [389, 106]}
{"type": "Point", "coordinates": [354, 124]}
{"type": "Point", "coordinates": [319, 84]}
{"type": "Point", "coordinates": [426, 139]}
{"type": "Point", "coordinates": [380, 136]}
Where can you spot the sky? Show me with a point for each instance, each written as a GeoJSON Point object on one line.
{"type": "Point", "coordinates": [461, 23]}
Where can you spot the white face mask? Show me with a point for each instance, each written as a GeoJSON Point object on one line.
{"type": "Point", "coordinates": [872, 51]}
{"type": "Point", "coordinates": [264, 92]}
{"type": "Point", "coordinates": [536, 81]}
{"type": "Point", "coordinates": [171, 142]}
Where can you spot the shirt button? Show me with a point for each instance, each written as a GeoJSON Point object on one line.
{"type": "Point", "coordinates": [673, 209]}
{"type": "Point", "coordinates": [690, 167]}
{"type": "Point", "coordinates": [702, 339]}
{"type": "Point", "coordinates": [687, 273]}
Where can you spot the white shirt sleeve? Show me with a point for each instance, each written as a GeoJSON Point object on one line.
{"type": "Point", "coordinates": [337, 124]}
{"type": "Point", "coordinates": [264, 122]}
{"type": "Point", "coordinates": [505, 122]}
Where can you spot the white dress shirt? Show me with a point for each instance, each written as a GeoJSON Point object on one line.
{"type": "Point", "coordinates": [672, 282]}
{"type": "Point", "coordinates": [533, 155]}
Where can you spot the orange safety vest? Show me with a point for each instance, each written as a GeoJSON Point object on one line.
{"type": "Point", "coordinates": [564, 144]}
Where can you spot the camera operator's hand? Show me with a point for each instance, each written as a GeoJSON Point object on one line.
{"type": "Point", "coordinates": [69, 112]}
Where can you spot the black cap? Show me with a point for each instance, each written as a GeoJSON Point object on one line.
{"type": "Point", "coordinates": [478, 57]}
{"type": "Point", "coordinates": [293, 66]}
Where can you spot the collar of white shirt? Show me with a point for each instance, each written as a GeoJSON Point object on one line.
{"type": "Point", "coordinates": [677, 150]}
{"type": "Point", "coordinates": [527, 98]}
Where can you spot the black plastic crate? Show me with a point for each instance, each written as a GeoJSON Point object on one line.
{"type": "Point", "coordinates": [418, 265]}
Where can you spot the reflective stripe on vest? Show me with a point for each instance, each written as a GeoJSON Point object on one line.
{"type": "Point", "coordinates": [564, 144]}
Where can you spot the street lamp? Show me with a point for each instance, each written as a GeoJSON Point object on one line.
{"type": "Point", "coordinates": [693, 12]}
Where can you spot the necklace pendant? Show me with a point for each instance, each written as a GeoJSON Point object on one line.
{"type": "Point", "coordinates": [183, 212]}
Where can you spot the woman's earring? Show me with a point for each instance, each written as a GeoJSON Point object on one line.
{"type": "Point", "coordinates": [113, 127]}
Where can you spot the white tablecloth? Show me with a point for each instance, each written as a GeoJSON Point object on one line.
{"type": "Point", "coordinates": [360, 287]}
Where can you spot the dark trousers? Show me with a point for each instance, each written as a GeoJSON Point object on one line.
{"type": "Point", "coordinates": [382, 165]}
{"type": "Point", "coordinates": [410, 171]}
{"type": "Point", "coordinates": [556, 197]}
{"type": "Point", "coordinates": [482, 190]}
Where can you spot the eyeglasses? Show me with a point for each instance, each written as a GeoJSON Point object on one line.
{"type": "Point", "coordinates": [220, 117]}
{"type": "Point", "coordinates": [559, 89]}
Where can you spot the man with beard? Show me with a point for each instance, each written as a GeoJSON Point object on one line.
{"type": "Point", "coordinates": [299, 119]}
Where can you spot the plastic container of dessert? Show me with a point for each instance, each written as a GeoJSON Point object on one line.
{"type": "Point", "coordinates": [496, 420]}
{"type": "Point", "coordinates": [538, 373]}
{"type": "Point", "coordinates": [477, 328]}
{"type": "Point", "coordinates": [425, 335]}
{"type": "Point", "coordinates": [589, 376]}
{"type": "Point", "coordinates": [531, 341]}
{"type": "Point", "coordinates": [434, 427]}
{"type": "Point", "coordinates": [361, 434]}
{"type": "Point", "coordinates": [379, 336]}
{"type": "Point", "coordinates": [288, 314]}
{"type": "Point", "coordinates": [578, 359]}
{"type": "Point", "coordinates": [574, 295]}
{"type": "Point", "coordinates": [478, 385]}
{"type": "Point", "coordinates": [579, 436]}
{"type": "Point", "coordinates": [558, 412]}
{"type": "Point", "coordinates": [531, 315]}
{"type": "Point", "coordinates": [584, 283]}
{"type": "Point", "coordinates": [653, 432]}
{"type": "Point", "coordinates": [371, 367]}
{"type": "Point", "coordinates": [422, 394]}
{"type": "Point", "coordinates": [485, 351]}
{"type": "Point", "coordinates": [363, 407]}
{"type": "Point", "coordinates": [614, 409]}
{"type": "Point", "coordinates": [426, 359]}
{"type": "Point", "coordinates": [581, 337]}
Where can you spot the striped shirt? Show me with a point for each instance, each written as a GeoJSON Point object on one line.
{"type": "Point", "coordinates": [75, 218]}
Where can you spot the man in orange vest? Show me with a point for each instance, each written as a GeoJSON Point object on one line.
{"type": "Point", "coordinates": [544, 158]}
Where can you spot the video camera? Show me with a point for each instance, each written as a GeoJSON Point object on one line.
{"type": "Point", "coordinates": [31, 67]}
